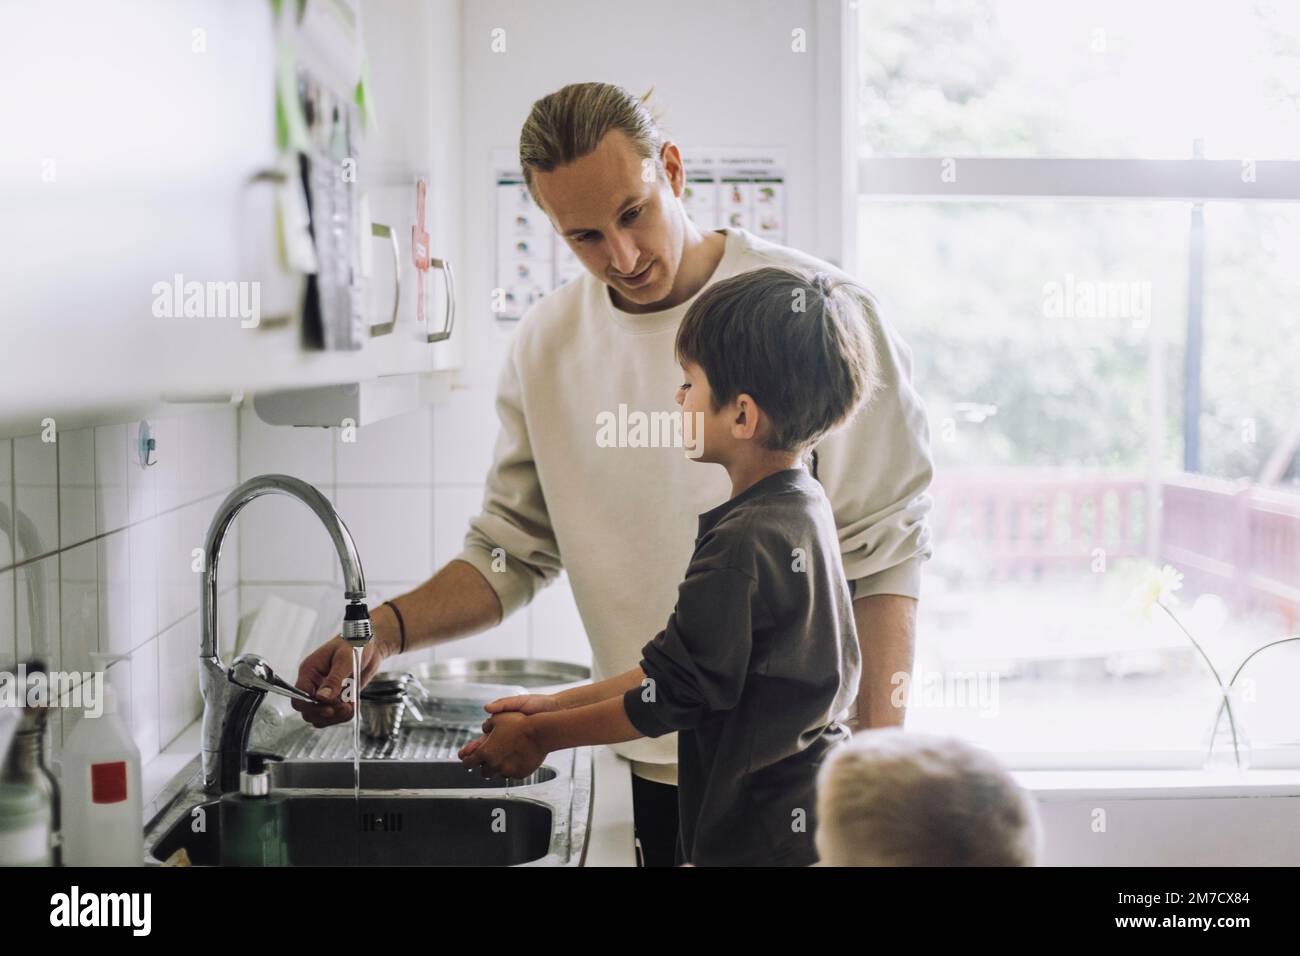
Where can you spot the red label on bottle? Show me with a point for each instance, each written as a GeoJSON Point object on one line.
{"type": "Point", "coordinates": [108, 782]}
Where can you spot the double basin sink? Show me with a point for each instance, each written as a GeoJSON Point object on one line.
{"type": "Point", "coordinates": [417, 805]}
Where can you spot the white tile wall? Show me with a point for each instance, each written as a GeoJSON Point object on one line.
{"type": "Point", "coordinates": [393, 452]}
{"type": "Point", "coordinates": [142, 546]}
{"type": "Point", "coordinates": [281, 541]}
{"type": "Point", "coordinates": [306, 453]}
{"type": "Point", "coordinates": [78, 606]}
{"type": "Point", "coordinates": [36, 497]}
{"type": "Point", "coordinates": [406, 488]}
{"type": "Point", "coordinates": [454, 506]}
{"type": "Point", "coordinates": [110, 478]}
{"type": "Point", "coordinates": [393, 529]}
{"type": "Point", "coordinates": [113, 569]}
{"type": "Point", "coordinates": [146, 704]}
{"type": "Point", "coordinates": [181, 533]}
{"type": "Point", "coordinates": [465, 428]}
{"type": "Point", "coordinates": [36, 591]}
{"type": "Point", "coordinates": [178, 700]}
{"type": "Point", "coordinates": [8, 637]}
{"type": "Point", "coordinates": [97, 556]}
{"type": "Point", "coordinates": [76, 455]}
{"type": "Point", "coordinates": [6, 516]}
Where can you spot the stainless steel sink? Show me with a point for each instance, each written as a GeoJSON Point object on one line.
{"type": "Point", "coordinates": [418, 806]}
{"type": "Point", "coordinates": [408, 829]}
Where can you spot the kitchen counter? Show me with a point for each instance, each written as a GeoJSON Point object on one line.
{"type": "Point", "coordinates": [610, 839]}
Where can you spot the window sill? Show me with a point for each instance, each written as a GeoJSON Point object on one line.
{"type": "Point", "coordinates": [1062, 785]}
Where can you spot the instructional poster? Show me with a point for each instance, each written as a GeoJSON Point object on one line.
{"type": "Point", "coordinates": [742, 188]}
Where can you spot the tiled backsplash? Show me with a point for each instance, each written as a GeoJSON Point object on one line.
{"type": "Point", "coordinates": [96, 555]}
{"type": "Point", "coordinates": [406, 487]}
{"type": "Point", "coordinates": [97, 552]}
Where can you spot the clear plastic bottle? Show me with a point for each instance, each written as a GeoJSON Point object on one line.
{"type": "Point", "coordinates": [101, 818]}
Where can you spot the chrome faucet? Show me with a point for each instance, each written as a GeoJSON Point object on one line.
{"type": "Point", "coordinates": [230, 697]}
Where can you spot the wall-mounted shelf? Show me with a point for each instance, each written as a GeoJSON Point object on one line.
{"type": "Point", "coordinates": [355, 403]}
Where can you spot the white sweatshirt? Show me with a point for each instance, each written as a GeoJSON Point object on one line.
{"type": "Point", "coordinates": [621, 521]}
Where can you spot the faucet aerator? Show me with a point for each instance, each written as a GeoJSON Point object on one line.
{"type": "Point", "coordinates": [356, 631]}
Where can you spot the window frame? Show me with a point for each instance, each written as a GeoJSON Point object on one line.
{"type": "Point", "coordinates": [971, 178]}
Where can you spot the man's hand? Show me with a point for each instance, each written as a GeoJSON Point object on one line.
{"type": "Point", "coordinates": [509, 747]}
{"type": "Point", "coordinates": [455, 602]}
{"type": "Point", "coordinates": [322, 674]}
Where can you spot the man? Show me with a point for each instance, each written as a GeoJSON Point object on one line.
{"type": "Point", "coordinates": [614, 518]}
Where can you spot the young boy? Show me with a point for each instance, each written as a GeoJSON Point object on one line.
{"type": "Point", "coordinates": [759, 661]}
{"type": "Point", "coordinates": [892, 798]}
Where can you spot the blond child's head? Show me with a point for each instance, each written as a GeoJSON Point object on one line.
{"type": "Point", "coordinates": [893, 798]}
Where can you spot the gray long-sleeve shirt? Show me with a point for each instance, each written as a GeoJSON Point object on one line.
{"type": "Point", "coordinates": [755, 670]}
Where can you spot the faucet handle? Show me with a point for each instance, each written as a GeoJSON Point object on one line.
{"type": "Point", "coordinates": [254, 673]}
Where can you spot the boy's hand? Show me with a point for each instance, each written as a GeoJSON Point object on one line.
{"type": "Point", "coordinates": [509, 749]}
{"type": "Point", "coordinates": [524, 704]}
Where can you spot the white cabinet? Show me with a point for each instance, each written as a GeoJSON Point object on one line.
{"type": "Point", "coordinates": [139, 138]}
{"type": "Point", "coordinates": [414, 72]}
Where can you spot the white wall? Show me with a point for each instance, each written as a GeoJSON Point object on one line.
{"type": "Point", "coordinates": [723, 74]}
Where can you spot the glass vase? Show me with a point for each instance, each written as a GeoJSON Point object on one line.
{"type": "Point", "coordinates": [1225, 750]}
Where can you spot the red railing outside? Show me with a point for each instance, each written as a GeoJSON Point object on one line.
{"type": "Point", "coordinates": [1238, 540]}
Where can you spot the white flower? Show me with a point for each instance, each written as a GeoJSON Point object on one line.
{"type": "Point", "coordinates": [1157, 587]}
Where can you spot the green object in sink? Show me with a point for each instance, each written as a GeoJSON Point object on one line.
{"type": "Point", "coordinates": [254, 822]}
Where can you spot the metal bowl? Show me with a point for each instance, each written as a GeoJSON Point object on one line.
{"type": "Point", "coordinates": [523, 671]}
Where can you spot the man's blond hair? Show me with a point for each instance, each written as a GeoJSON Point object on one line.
{"type": "Point", "coordinates": [569, 124]}
{"type": "Point", "coordinates": [893, 798]}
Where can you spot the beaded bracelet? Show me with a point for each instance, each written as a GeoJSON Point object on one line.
{"type": "Point", "coordinates": [401, 625]}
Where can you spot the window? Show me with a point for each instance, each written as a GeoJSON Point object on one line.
{"type": "Point", "coordinates": [1084, 222]}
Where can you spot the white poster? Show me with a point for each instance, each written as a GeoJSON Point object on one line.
{"type": "Point", "coordinates": [742, 188]}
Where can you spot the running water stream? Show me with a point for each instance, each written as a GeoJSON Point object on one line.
{"type": "Point", "coordinates": [356, 752]}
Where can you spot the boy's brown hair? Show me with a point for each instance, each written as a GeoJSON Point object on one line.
{"type": "Point", "coordinates": [801, 345]}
